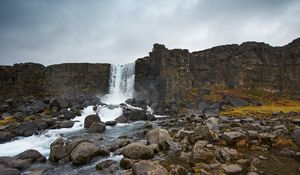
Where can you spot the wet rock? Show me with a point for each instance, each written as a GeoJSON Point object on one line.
{"type": "Point", "coordinates": [41, 124]}
{"type": "Point", "coordinates": [5, 136]}
{"type": "Point", "coordinates": [97, 128]}
{"type": "Point", "coordinates": [131, 115]}
{"type": "Point", "coordinates": [20, 164]}
{"type": "Point", "coordinates": [105, 164]}
{"type": "Point", "coordinates": [110, 123]}
{"type": "Point", "coordinates": [201, 154]}
{"type": "Point", "coordinates": [90, 119]}
{"type": "Point", "coordinates": [161, 137]}
{"type": "Point", "coordinates": [121, 142]}
{"type": "Point", "coordinates": [67, 115]}
{"type": "Point", "coordinates": [83, 153]}
{"type": "Point", "coordinates": [103, 151]}
{"type": "Point", "coordinates": [150, 117]}
{"type": "Point", "coordinates": [127, 163]}
{"type": "Point", "coordinates": [9, 171]}
{"type": "Point", "coordinates": [66, 124]}
{"type": "Point", "coordinates": [148, 167]}
{"type": "Point", "coordinates": [32, 155]}
{"type": "Point", "coordinates": [234, 169]}
{"type": "Point", "coordinates": [178, 170]}
{"type": "Point", "coordinates": [24, 129]}
{"type": "Point", "coordinates": [59, 150]}
{"type": "Point", "coordinates": [137, 151]}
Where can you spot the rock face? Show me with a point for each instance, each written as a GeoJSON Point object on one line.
{"type": "Point", "coordinates": [62, 79]}
{"type": "Point", "coordinates": [171, 75]}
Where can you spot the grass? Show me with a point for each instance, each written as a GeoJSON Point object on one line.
{"type": "Point", "coordinates": [270, 102]}
{"type": "Point", "coordinates": [8, 121]}
{"type": "Point", "coordinates": [284, 106]}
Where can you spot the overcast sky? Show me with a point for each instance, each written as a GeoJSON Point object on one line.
{"type": "Point", "coordinates": [119, 31]}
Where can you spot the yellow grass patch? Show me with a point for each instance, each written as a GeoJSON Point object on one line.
{"type": "Point", "coordinates": [8, 121]}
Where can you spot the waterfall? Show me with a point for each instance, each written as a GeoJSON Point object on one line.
{"type": "Point", "coordinates": [121, 84]}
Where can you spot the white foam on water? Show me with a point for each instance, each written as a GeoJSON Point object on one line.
{"type": "Point", "coordinates": [43, 141]}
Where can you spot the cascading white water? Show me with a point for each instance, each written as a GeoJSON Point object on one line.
{"type": "Point", "coordinates": [121, 88]}
{"type": "Point", "coordinates": [121, 84]}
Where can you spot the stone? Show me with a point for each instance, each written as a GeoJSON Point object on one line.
{"type": "Point", "coordinates": [83, 153]}
{"type": "Point", "coordinates": [231, 138]}
{"type": "Point", "coordinates": [66, 124]}
{"type": "Point", "coordinates": [90, 119]}
{"type": "Point", "coordinates": [110, 123]}
{"type": "Point", "coordinates": [131, 115]}
{"type": "Point", "coordinates": [25, 129]}
{"type": "Point", "coordinates": [235, 102]}
{"type": "Point", "coordinates": [32, 155]}
{"type": "Point", "coordinates": [178, 170]}
{"type": "Point", "coordinates": [296, 121]}
{"type": "Point", "coordinates": [203, 132]}
{"type": "Point", "coordinates": [213, 123]}
{"type": "Point", "coordinates": [20, 164]}
{"type": "Point", "coordinates": [200, 154]}
{"type": "Point", "coordinates": [96, 128]}
{"type": "Point", "coordinates": [126, 163]}
{"type": "Point", "coordinates": [226, 154]}
{"type": "Point", "coordinates": [9, 171]}
{"type": "Point", "coordinates": [147, 167]}
{"type": "Point", "coordinates": [137, 151]}
{"type": "Point", "coordinates": [105, 164]}
{"type": "Point", "coordinates": [233, 169]}
{"type": "Point", "coordinates": [37, 106]}
{"type": "Point", "coordinates": [67, 115]}
{"type": "Point", "coordinates": [5, 136]}
{"type": "Point", "coordinates": [161, 137]}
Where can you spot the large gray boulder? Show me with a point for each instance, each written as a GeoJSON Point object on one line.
{"type": "Point", "coordinates": [161, 137]}
{"type": "Point", "coordinates": [137, 151]}
{"type": "Point", "coordinates": [97, 128]}
{"type": "Point", "coordinates": [84, 153]}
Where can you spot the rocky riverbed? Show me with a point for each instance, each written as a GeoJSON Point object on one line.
{"type": "Point", "coordinates": [138, 142]}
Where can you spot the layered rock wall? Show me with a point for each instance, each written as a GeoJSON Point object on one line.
{"type": "Point", "coordinates": [169, 75]}
{"type": "Point", "coordinates": [62, 79]}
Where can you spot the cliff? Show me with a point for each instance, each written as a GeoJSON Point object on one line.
{"type": "Point", "coordinates": [62, 79]}
{"type": "Point", "coordinates": [172, 75]}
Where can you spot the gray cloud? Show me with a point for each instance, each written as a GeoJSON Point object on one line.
{"type": "Point", "coordinates": [119, 31]}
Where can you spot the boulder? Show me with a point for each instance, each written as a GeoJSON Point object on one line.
{"type": "Point", "coordinates": [148, 167]}
{"type": "Point", "coordinates": [105, 164]}
{"type": "Point", "coordinates": [20, 164]}
{"type": "Point", "coordinates": [84, 153]}
{"type": "Point", "coordinates": [110, 123]}
{"type": "Point", "coordinates": [234, 169]}
{"type": "Point", "coordinates": [203, 132]}
{"type": "Point", "coordinates": [67, 115]}
{"type": "Point", "coordinates": [97, 128]}
{"type": "Point", "coordinates": [5, 136]}
{"type": "Point", "coordinates": [32, 155]}
{"type": "Point", "coordinates": [137, 151]}
{"type": "Point", "coordinates": [161, 137]}
{"type": "Point", "coordinates": [131, 115]}
{"type": "Point", "coordinates": [234, 101]}
{"type": "Point", "coordinates": [127, 163]}
{"type": "Point", "coordinates": [91, 119]}
{"type": "Point", "coordinates": [59, 150]}
{"type": "Point", "coordinates": [26, 129]}
{"type": "Point", "coordinates": [178, 170]}
{"type": "Point", "coordinates": [295, 135]}
{"type": "Point", "coordinates": [37, 106]}
{"type": "Point", "coordinates": [201, 154]}
{"type": "Point", "coordinates": [9, 171]}
{"type": "Point", "coordinates": [66, 124]}
{"type": "Point", "coordinates": [231, 138]}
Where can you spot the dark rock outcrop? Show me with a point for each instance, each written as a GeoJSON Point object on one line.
{"type": "Point", "coordinates": [171, 75]}
{"type": "Point", "coordinates": [61, 79]}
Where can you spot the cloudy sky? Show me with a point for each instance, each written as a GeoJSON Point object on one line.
{"type": "Point", "coordinates": [119, 31]}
